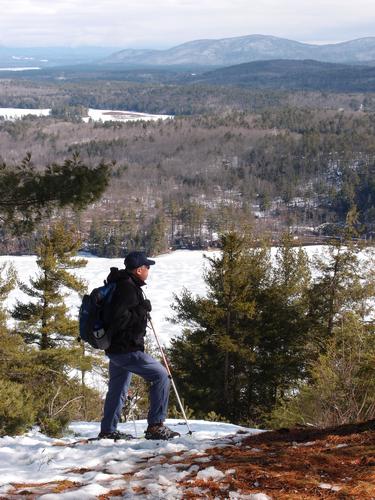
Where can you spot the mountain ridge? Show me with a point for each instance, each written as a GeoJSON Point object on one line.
{"type": "Point", "coordinates": [248, 48]}
{"type": "Point", "coordinates": [292, 75]}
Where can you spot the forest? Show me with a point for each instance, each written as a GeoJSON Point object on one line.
{"type": "Point", "coordinates": [285, 160]}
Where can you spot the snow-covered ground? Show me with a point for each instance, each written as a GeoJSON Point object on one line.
{"type": "Point", "coordinates": [93, 114]}
{"type": "Point", "coordinates": [105, 115]}
{"type": "Point", "coordinates": [38, 464]}
{"type": "Point", "coordinates": [17, 113]}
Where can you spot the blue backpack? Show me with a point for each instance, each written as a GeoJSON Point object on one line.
{"type": "Point", "coordinates": [92, 315]}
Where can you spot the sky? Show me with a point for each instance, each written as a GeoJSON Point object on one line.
{"type": "Point", "coordinates": [160, 24]}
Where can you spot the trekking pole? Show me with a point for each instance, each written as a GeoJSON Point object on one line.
{"type": "Point", "coordinates": [170, 374]}
{"type": "Point", "coordinates": [131, 414]}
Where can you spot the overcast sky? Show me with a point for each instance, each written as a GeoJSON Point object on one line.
{"type": "Point", "coordinates": [165, 23]}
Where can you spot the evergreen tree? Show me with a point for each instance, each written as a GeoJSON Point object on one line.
{"type": "Point", "coordinates": [46, 325]}
{"type": "Point", "coordinates": [341, 385]}
{"type": "Point", "coordinates": [344, 283]}
{"type": "Point", "coordinates": [27, 194]}
{"type": "Point", "coordinates": [283, 327]}
{"type": "Point", "coordinates": [157, 239]}
{"type": "Point", "coordinates": [17, 411]}
{"type": "Point", "coordinates": [217, 345]}
{"type": "Point", "coordinates": [45, 322]}
{"type": "Point", "coordinates": [221, 341]}
{"type": "Point", "coordinates": [249, 336]}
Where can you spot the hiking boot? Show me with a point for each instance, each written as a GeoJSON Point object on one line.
{"type": "Point", "coordinates": [115, 435]}
{"type": "Point", "coordinates": [160, 431]}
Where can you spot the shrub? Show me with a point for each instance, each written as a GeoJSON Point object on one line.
{"type": "Point", "coordinates": [16, 409]}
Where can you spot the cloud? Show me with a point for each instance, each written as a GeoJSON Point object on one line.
{"type": "Point", "coordinates": [161, 23]}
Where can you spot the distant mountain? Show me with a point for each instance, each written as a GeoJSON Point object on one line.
{"type": "Point", "coordinates": [230, 51]}
{"type": "Point", "coordinates": [284, 74]}
{"type": "Point", "coordinates": [50, 56]}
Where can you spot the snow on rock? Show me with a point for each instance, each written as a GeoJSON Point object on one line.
{"type": "Point", "coordinates": [234, 495]}
{"type": "Point", "coordinates": [210, 473]}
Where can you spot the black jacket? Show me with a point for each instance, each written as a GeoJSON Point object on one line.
{"type": "Point", "coordinates": [127, 318]}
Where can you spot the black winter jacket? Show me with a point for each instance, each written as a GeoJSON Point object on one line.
{"type": "Point", "coordinates": [126, 317]}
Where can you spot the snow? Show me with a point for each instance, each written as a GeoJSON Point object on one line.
{"type": "Point", "coordinates": [17, 113]}
{"type": "Point", "coordinates": [171, 273]}
{"type": "Point", "coordinates": [93, 114]}
{"type": "Point", "coordinates": [99, 466]}
{"type": "Point", "coordinates": [105, 115]}
{"type": "Point", "coordinates": [26, 68]}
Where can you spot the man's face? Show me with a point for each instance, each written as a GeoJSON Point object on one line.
{"type": "Point", "coordinates": [142, 272]}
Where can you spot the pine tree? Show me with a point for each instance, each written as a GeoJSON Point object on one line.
{"type": "Point", "coordinates": [27, 194]}
{"type": "Point", "coordinates": [345, 282]}
{"type": "Point", "coordinates": [44, 321]}
{"type": "Point", "coordinates": [218, 343]}
{"type": "Point", "coordinates": [157, 239]}
{"type": "Point", "coordinates": [341, 385]}
{"type": "Point", "coordinates": [16, 403]}
{"type": "Point", "coordinates": [283, 327]}
{"type": "Point", "coordinates": [46, 325]}
{"type": "Point", "coordinates": [249, 336]}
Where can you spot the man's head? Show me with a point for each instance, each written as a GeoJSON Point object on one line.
{"type": "Point", "coordinates": [138, 264]}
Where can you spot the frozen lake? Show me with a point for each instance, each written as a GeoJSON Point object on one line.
{"type": "Point", "coordinates": [95, 115]}
{"type": "Point", "coordinates": [28, 68]}
{"type": "Point", "coordinates": [172, 272]}
{"type": "Point", "coordinates": [170, 275]}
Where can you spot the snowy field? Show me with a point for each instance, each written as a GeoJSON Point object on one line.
{"type": "Point", "coordinates": [106, 115]}
{"type": "Point", "coordinates": [95, 115]}
{"type": "Point", "coordinates": [17, 113]}
{"type": "Point", "coordinates": [38, 464]}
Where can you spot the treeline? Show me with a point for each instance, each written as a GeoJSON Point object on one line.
{"type": "Point", "coordinates": [279, 340]}
{"type": "Point", "coordinates": [162, 98]}
{"type": "Point", "coordinates": [288, 74]}
{"type": "Point", "coordinates": [179, 182]}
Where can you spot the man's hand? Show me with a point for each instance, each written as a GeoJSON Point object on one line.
{"type": "Point", "coordinates": [143, 309]}
{"type": "Point", "coordinates": [146, 304]}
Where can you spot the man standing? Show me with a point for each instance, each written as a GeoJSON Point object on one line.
{"type": "Point", "coordinates": [127, 324]}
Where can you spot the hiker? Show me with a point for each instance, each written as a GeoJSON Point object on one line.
{"type": "Point", "coordinates": [129, 310]}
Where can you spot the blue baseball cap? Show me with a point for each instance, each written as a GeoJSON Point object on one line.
{"type": "Point", "coordinates": [137, 259]}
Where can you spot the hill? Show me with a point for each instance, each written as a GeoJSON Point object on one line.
{"type": "Point", "coordinates": [284, 74]}
{"type": "Point", "coordinates": [237, 50]}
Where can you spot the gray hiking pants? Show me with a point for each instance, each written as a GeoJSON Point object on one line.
{"type": "Point", "coordinates": [121, 368]}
